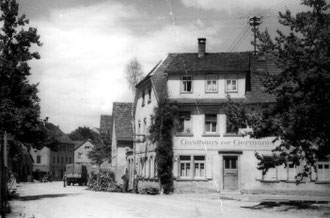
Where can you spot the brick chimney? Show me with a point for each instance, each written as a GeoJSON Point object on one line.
{"type": "Point", "coordinates": [201, 47]}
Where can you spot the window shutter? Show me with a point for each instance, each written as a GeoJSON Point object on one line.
{"type": "Point", "coordinates": [176, 166]}
{"type": "Point", "coordinates": [209, 167]}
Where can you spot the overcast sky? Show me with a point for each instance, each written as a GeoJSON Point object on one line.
{"type": "Point", "coordinates": [87, 43]}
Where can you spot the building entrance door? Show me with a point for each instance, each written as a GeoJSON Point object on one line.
{"type": "Point", "coordinates": [230, 173]}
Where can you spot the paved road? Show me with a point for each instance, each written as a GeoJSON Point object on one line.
{"type": "Point", "coordinates": [51, 200]}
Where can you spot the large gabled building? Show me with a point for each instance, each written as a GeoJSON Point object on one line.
{"type": "Point", "coordinates": [53, 161]}
{"type": "Point", "coordinates": [210, 153]}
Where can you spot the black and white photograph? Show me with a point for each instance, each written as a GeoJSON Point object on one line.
{"type": "Point", "coordinates": [164, 108]}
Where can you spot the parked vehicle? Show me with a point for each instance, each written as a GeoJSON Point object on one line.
{"type": "Point", "coordinates": [76, 173]}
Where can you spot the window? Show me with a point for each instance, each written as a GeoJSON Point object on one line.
{"type": "Point", "coordinates": [145, 126]}
{"type": "Point", "coordinates": [80, 154]}
{"type": "Point", "coordinates": [58, 159]}
{"type": "Point", "coordinates": [271, 174]}
{"type": "Point", "coordinates": [210, 123]}
{"type": "Point", "coordinates": [54, 159]}
{"type": "Point", "coordinates": [150, 167]}
{"type": "Point", "coordinates": [186, 85]}
{"type": "Point", "coordinates": [149, 94]}
{"type": "Point", "coordinates": [139, 127]}
{"type": "Point", "coordinates": [199, 166]}
{"type": "Point", "coordinates": [62, 159]}
{"type": "Point", "coordinates": [70, 160]}
{"type": "Point", "coordinates": [231, 127]}
{"type": "Point", "coordinates": [192, 167]}
{"type": "Point", "coordinates": [185, 166]}
{"type": "Point", "coordinates": [323, 171]}
{"type": "Point", "coordinates": [38, 159]}
{"type": "Point", "coordinates": [184, 122]}
{"type": "Point", "coordinates": [143, 98]}
{"type": "Point", "coordinates": [231, 83]}
{"type": "Point", "coordinates": [211, 83]}
{"type": "Point", "coordinates": [66, 159]}
{"type": "Point", "coordinates": [230, 162]}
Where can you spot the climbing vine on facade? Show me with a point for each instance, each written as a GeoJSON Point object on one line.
{"type": "Point", "coordinates": [161, 131]}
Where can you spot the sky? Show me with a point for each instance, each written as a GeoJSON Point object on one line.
{"type": "Point", "coordinates": [88, 43]}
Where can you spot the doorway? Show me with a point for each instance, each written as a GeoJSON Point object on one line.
{"type": "Point", "coordinates": [230, 173]}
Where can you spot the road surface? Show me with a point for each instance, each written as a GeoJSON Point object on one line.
{"type": "Point", "coordinates": [52, 200]}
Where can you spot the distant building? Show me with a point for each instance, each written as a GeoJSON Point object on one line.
{"type": "Point", "coordinates": [122, 137]}
{"type": "Point", "coordinates": [53, 161]}
{"type": "Point", "coordinates": [41, 164]}
{"type": "Point", "coordinates": [106, 125]}
{"type": "Point", "coordinates": [82, 148]}
{"type": "Point", "coordinates": [210, 152]}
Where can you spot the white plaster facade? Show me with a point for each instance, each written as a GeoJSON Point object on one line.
{"type": "Point", "coordinates": [41, 159]}
{"type": "Point", "coordinates": [81, 152]}
{"type": "Point", "coordinates": [208, 154]}
{"type": "Point", "coordinates": [81, 156]}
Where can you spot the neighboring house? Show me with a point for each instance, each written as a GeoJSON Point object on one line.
{"type": "Point", "coordinates": [41, 165]}
{"type": "Point", "coordinates": [210, 153]}
{"type": "Point", "coordinates": [122, 137]}
{"type": "Point", "coordinates": [82, 148]}
{"type": "Point", "coordinates": [52, 162]}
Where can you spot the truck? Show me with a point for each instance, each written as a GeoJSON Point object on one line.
{"type": "Point", "coordinates": [76, 173]}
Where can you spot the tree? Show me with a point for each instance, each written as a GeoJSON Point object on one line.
{"type": "Point", "coordinates": [161, 134]}
{"type": "Point", "coordinates": [19, 103]}
{"type": "Point", "coordinates": [300, 118]}
{"type": "Point", "coordinates": [134, 73]}
{"type": "Point", "coordinates": [102, 149]}
{"type": "Point", "coordinates": [85, 133]}
{"type": "Point", "coordinates": [100, 153]}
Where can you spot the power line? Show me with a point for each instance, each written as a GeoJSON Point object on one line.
{"type": "Point", "coordinates": [243, 30]}
{"type": "Point", "coordinates": [241, 39]}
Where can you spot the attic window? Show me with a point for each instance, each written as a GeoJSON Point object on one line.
{"type": "Point", "coordinates": [186, 84]}
{"type": "Point", "coordinates": [149, 93]}
{"type": "Point", "coordinates": [143, 98]}
{"type": "Point", "coordinates": [231, 83]}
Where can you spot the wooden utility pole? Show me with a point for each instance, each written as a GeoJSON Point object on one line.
{"type": "Point", "coordinates": [254, 22]}
{"type": "Point", "coordinates": [3, 174]}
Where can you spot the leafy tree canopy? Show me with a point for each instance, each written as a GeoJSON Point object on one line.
{"type": "Point", "coordinates": [85, 133]}
{"type": "Point", "coordinates": [19, 103]}
{"type": "Point", "coordinates": [133, 73]}
{"type": "Point", "coordinates": [101, 151]}
{"type": "Point", "coordinates": [301, 115]}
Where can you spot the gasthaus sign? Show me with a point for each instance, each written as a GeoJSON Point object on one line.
{"type": "Point", "coordinates": [232, 143]}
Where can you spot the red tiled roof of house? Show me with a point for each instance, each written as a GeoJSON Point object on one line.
{"type": "Point", "coordinates": [122, 118]}
{"type": "Point", "coordinates": [211, 62]}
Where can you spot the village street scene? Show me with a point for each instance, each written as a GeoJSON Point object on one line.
{"type": "Point", "coordinates": [164, 108]}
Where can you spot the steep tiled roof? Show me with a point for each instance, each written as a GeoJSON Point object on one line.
{"type": "Point", "coordinates": [60, 136]}
{"type": "Point", "coordinates": [224, 61]}
{"type": "Point", "coordinates": [80, 143]}
{"type": "Point", "coordinates": [217, 62]}
{"type": "Point", "coordinates": [106, 125]}
{"type": "Point", "coordinates": [77, 144]}
{"type": "Point", "coordinates": [122, 118]}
